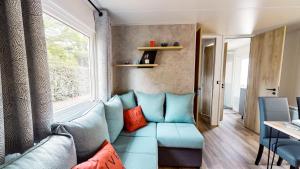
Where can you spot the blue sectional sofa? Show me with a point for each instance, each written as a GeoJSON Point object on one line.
{"type": "Point", "coordinates": [157, 144]}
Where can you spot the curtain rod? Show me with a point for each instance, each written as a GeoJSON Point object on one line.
{"type": "Point", "coordinates": [100, 13]}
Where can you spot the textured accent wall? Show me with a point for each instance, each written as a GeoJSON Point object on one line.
{"type": "Point", "coordinates": [175, 72]}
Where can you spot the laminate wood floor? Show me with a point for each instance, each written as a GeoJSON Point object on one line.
{"type": "Point", "coordinates": [232, 146]}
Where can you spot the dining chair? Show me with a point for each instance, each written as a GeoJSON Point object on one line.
{"type": "Point", "coordinates": [291, 152]}
{"type": "Point", "coordinates": [277, 109]}
{"type": "Point", "coordinates": [271, 109]}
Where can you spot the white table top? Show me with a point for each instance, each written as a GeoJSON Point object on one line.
{"type": "Point", "coordinates": [285, 127]}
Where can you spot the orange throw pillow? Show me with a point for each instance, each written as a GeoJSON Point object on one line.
{"type": "Point", "coordinates": [134, 119]}
{"type": "Point", "coordinates": [105, 158]}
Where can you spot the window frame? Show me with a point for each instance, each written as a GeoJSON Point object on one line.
{"type": "Point", "coordinates": [66, 18]}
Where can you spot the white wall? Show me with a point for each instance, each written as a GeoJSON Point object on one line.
{"type": "Point", "coordinates": [232, 90]}
{"type": "Point", "coordinates": [228, 102]}
{"type": "Point", "coordinates": [290, 75]}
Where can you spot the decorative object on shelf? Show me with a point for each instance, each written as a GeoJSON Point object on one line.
{"type": "Point", "coordinates": [148, 57]}
{"type": "Point", "coordinates": [164, 44]}
{"type": "Point", "coordinates": [152, 43]}
{"type": "Point", "coordinates": [176, 44]}
{"type": "Point", "coordinates": [147, 61]}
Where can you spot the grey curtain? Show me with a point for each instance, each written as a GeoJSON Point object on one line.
{"type": "Point", "coordinates": [104, 54]}
{"type": "Point", "coordinates": [26, 114]}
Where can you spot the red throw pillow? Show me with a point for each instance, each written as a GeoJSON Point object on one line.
{"type": "Point", "coordinates": [105, 158]}
{"type": "Point", "coordinates": [134, 119]}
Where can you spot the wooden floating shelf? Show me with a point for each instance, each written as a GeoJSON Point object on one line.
{"type": "Point", "coordinates": [137, 65]}
{"type": "Point", "coordinates": [160, 48]}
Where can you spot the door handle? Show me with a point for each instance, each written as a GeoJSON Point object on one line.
{"type": "Point", "coordinates": [198, 91]}
{"type": "Point", "coordinates": [274, 90]}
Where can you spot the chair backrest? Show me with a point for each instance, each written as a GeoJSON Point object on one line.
{"type": "Point", "coordinates": [298, 103]}
{"type": "Point", "coordinates": [273, 109]}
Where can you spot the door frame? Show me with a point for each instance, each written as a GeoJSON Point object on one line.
{"type": "Point", "coordinates": [222, 90]}
{"type": "Point", "coordinates": [223, 73]}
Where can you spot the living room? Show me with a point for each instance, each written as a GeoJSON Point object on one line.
{"type": "Point", "coordinates": [141, 84]}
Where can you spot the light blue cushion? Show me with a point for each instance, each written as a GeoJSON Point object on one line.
{"type": "Point", "coordinates": [114, 117]}
{"type": "Point", "coordinates": [146, 145]}
{"type": "Point", "coordinates": [147, 131]}
{"type": "Point", "coordinates": [152, 106]}
{"type": "Point", "coordinates": [128, 100]}
{"type": "Point", "coordinates": [55, 151]}
{"type": "Point", "coordinates": [179, 108]}
{"type": "Point", "coordinates": [88, 131]}
{"type": "Point", "coordinates": [137, 152]}
{"type": "Point", "coordinates": [179, 135]}
{"type": "Point", "coordinates": [138, 160]}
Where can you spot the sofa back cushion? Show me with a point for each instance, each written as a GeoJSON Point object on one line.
{"type": "Point", "coordinates": [56, 151]}
{"type": "Point", "coordinates": [88, 131]}
{"type": "Point", "coordinates": [114, 117]}
{"type": "Point", "coordinates": [152, 106]}
{"type": "Point", "coordinates": [128, 100]}
{"type": "Point", "coordinates": [179, 108]}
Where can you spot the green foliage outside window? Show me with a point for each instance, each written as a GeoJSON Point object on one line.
{"type": "Point", "coordinates": [68, 60]}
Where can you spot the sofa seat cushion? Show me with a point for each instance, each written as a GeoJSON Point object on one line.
{"type": "Point", "coordinates": [144, 145]}
{"type": "Point", "coordinates": [179, 135]}
{"type": "Point", "coordinates": [56, 151]}
{"type": "Point", "coordinates": [147, 131]}
{"type": "Point", "coordinates": [139, 160]}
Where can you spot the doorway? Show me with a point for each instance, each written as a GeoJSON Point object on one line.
{"type": "Point", "coordinates": [236, 76]}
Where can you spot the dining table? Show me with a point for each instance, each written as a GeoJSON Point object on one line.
{"type": "Point", "coordinates": [281, 127]}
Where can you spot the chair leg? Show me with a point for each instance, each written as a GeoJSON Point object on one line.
{"type": "Point", "coordinates": [259, 154]}
{"type": "Point", "coordinates": [279, 162]}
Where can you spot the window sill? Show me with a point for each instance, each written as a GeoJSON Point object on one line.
{"type": "Point", "coordinates": [73, 112]}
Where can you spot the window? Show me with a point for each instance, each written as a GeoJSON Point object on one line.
{"type": "Point", "coordinates": [69, 66]}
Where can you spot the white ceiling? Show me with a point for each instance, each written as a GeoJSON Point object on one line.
{"type": "Point", "coordinates": [229, 17]}
{"type": "Point", "coordinates": [237, 43]}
